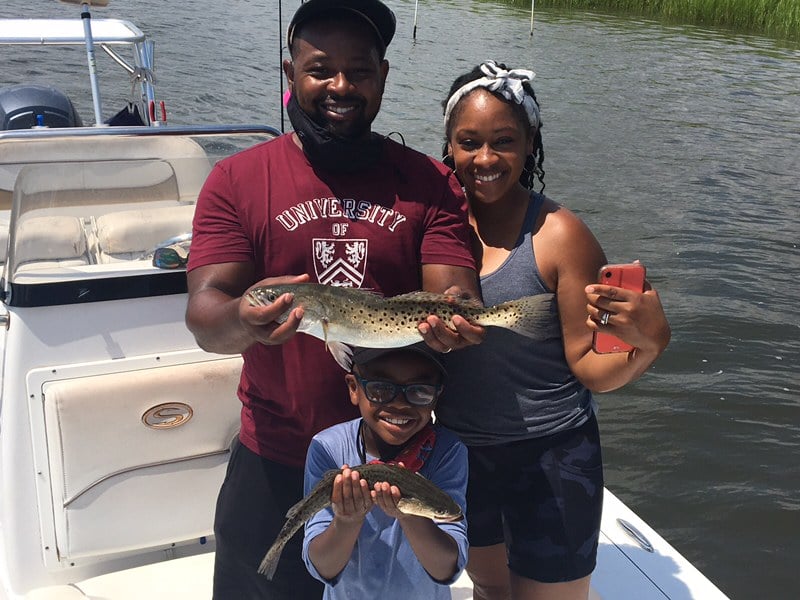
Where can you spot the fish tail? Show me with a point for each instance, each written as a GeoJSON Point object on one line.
{"type": "Point", "coordinates": [298, 514]}
{"type": "Point", "coordinates": [270, 561]}
{"type": "Point", "coordinates": [531, 316]}
{"type": "Point", "coordinates": [269, 564]}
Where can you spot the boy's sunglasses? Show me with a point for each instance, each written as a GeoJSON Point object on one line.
{"type": "Point", "coordinates": [383, 392]}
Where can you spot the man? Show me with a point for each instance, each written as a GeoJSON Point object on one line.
{"type": "Point", "coordinates": [336, 204]}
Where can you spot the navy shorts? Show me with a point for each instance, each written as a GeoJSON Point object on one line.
{"type": "Point", "coordinates": [251, 510]}
{"type": "Point", "coordinates": [543, 497]}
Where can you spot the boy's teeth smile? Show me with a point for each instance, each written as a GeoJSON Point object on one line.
{"type": "Point", "coordinates": [487, 178]}
{"type": "Point", "coordinates": [396, 421]}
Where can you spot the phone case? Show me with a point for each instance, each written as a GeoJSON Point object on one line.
{"type": "Point", "coordinates": [629, 276]}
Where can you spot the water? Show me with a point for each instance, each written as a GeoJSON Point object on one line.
{"type": "Point", "coordinates": [679, 146]}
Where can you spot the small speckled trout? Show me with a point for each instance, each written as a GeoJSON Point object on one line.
{"type": "Point", "coordinates": [420, 497]}
{"type": "Point", "coordinates": [356, 317]}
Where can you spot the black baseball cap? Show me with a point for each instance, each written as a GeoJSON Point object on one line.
{"type": "Point", "coordinates": [362, 356]}
{"type": "Point", "coordinates": [376, 13]}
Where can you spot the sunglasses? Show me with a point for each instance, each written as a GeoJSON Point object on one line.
{"type": "Point", "coordinates": [170, 257]}
{"type": "Point", "coordinates": [384, 392]}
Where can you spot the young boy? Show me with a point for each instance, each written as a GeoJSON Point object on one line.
{"type": "Point", "coordinates": [363, 546]}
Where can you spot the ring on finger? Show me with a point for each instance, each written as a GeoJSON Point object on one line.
{"type": "Point", "coordinates": [448, 350]}
{"type": "Point", "coordinates": [605, 317]}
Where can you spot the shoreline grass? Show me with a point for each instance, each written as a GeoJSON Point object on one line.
{"type": "Point", "coordinates": [774, 18]}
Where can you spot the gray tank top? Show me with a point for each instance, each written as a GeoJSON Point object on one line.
{"type": "Point", "coordinates": [510, 387]}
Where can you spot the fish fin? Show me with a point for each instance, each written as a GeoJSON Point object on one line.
{"type": "Point", "coordinates": [327, 479]}
{"type": "Point", "coordinates": [473, 303]}
{"type": "Point", "coordinates": [535, 316]}
{"type": "Point", "coordinates": [420, 296]}
{"type": "Point", "coordinates": [343, 354]}
{"type": "Point", "coordinates": [294, 509]}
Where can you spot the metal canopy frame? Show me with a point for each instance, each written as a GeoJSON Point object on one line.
{"type": "Point", "coordinates": [105, 32]}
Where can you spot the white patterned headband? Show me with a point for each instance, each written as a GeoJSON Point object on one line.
{"type": "Point", "coordinates": [506, 83]}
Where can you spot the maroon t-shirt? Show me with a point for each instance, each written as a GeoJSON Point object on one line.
{"type": "Point", "coordinates": [370, 229]}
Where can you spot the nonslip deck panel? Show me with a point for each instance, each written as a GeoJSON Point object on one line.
{"type": "Point", "coordinates": [119, 484]}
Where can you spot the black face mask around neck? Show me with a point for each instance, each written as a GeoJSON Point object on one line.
{"type": "Point", "coordinates": [329, 152]}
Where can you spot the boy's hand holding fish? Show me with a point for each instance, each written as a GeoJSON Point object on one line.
{"type": "Point", "coordinates": [387, 497]}
{"type": "Point", "coordinates": [355, 500]}
{"type": "Point", "coordinates": [351, 497]}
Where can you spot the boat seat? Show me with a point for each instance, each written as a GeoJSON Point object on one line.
{"type": "Point", "coordinates": [130, 234]}
{"type": "Point", "coordinates": [50, 241]}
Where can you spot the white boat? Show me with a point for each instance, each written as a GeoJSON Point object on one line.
{"type": "Point", "coordinates": [114, 429]}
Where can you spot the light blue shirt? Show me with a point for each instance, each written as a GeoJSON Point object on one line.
{"type": "Point", "coordinates": [383, 565]}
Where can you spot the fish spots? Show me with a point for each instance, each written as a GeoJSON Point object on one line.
{"type": "Point", "coordinates": [358, 317]}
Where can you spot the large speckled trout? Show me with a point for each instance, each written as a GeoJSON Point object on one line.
{"type": "Point", "coordinates": [419, 497]}
{"type": "Point", "coordinates": [340, 315]}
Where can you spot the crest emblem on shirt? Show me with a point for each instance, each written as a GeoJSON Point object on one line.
{"type": "Point", "coordinates": [340, 262]}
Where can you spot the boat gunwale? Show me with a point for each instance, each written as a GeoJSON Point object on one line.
{"type": "Point", "coordinates": [67, 132]}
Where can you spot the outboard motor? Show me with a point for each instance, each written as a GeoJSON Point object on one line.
{"type": "Point", "coordinates": [26, 106]}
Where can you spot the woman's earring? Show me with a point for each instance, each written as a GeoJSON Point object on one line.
{"type": "Point", "coordinates": [448, 160]}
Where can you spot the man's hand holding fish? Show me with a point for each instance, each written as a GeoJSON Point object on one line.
{"type": "Point", "coordinates": [443, 338]}
{"type": "Point", "coordinates": [342, 315]}
{"type": "Point", "coordinates": [265, 324]}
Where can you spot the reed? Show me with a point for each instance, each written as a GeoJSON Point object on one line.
{"type": "Point", "coordinates": [777, 18]}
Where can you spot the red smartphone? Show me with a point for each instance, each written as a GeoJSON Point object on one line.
{"type": "Point", "coordinates": [629, 276]}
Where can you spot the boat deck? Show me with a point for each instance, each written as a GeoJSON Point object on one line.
{"type": "Point", "coordinates": [625, 571]}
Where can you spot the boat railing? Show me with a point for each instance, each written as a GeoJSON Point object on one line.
{"type": "Point", "coordinates": [106, 33]}
{"type": "Point", "coordinates": [172, 130]}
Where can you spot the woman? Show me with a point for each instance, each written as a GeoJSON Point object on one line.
{"type": "Point", "coordinates": [524, 408]}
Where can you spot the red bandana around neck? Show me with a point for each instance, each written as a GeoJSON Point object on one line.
{"type": "Point", "coordinates": [416, 450]}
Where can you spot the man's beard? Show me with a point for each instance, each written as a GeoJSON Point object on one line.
{"type": "Point", "coordinates": [328, 150]}
{"type": "Point", "coordinates": [351, 132]}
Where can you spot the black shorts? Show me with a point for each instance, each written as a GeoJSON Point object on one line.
{"type": "Point", "coordinates": [543, 497]}
{"type": "Point", "coordinates": [251, 510]}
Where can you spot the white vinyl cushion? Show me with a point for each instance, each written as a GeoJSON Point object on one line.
{"type": "Point", "coordinates": [51, 238]}
{"type": "Point", "coordinates": [119, 485]}
{"type": "Point", "coordinates": [132, 231]}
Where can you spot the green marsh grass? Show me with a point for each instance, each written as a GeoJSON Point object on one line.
{"type": "Point", "coordinates": [776, 18]}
